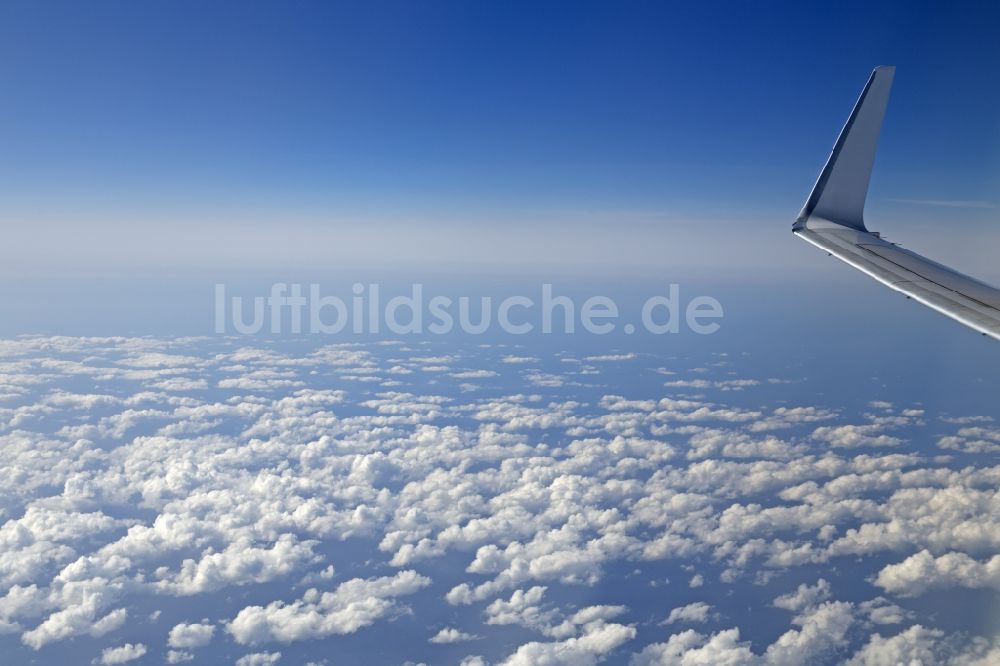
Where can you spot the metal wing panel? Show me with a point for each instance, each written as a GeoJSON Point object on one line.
{"type": "Point", "coordinates": [938, 273]}
{"type": "Point", "coordinates": [964, 299]}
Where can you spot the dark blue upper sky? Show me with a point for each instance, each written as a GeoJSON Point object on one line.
{"type": "Point", "coordinates": [182, 112]}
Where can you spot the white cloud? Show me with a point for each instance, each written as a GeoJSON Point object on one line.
{"type": "Point", "coordinates": [822, 631]}
{"type": "Point", "coordinates": [719, 384]}
{"type": "Point", "coordinates": [693, 613]}
{"type": "Point", "coordinates": [474, 374]}
{"type": "Point", "coordinates": [239, 564]}
{"type": "Point", "coordinates": [147, 486]}
{"type": "Point", "coordinates": [786, 417]}
{"type": "Point", "coordinates": [611, 357]}
{"type": "Point", "coordinates": [518, 360]}
{"type": "Point", "coordinates": [854, 436]}
{"type": "Point", "coordinates": [523, 608]}
{"type": "Point", "coordinates": [915, 645]}
{"type": "Point", "coordinates": [259, 659]}
{"type": "Point", "coordinates": [450, 635]}
{"type": "Point", "coordinates": [689, 648]}
{"type": "Point", "coordinates": [121, 654]}
{"type": "Point", "coordinates": [191, 635]}
{"type": "Point", "coordinates": [922, 571]}
{"type": "Point", "coordinates": [352, 605]}
{"type": "Point", "coordinates": [806, 596]}
{"type": "Point", "coordinates": [973, 440]}
{"type": "Point", "coordinates": [77, 619]}
{"type": "Point", "coordinates": [881, 611]}
{"type": "Point", "coordinates": [595, 642]}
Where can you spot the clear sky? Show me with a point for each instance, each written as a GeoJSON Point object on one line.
{"type": "Point", "coordinates": [223, 134]}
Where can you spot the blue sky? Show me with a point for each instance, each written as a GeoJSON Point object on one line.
{"type": "Point", "coordinates": [137, 134]}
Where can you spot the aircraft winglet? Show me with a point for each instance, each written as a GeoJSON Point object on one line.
{"type": "Point", "coordinates": [840, 191]}
{"type": "Point", "coordinates": [833, 220]}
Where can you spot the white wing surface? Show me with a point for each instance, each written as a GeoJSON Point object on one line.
{"type": "Point", "coordinates": [833, 220]}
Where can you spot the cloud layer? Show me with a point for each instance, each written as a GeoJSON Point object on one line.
{"type": "Point", "coordinates": [166, 472]}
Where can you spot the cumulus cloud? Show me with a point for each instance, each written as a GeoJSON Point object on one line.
{"type": "Point", "coordinates": [973, 440]}
{"type": "Point", "coordinates": [153, 485]}
{"type": "Point", "coordinates": [191, 635]}
{"type": "Point", "coordinates": [854, 436]}
{"type": "Point", "coordinates": [596, 641]}
{"type": "Point", "coordinates": [259, 659]}
{"type": "Point", "coordinates": [611, 357]}
{"type": "Point", "coordinates": [121, 654]}
{"type": "Point", "coordinates": [922, 571]}
{"type": "Point", "coordinates": [882, 611]}
{"type": "Point", "coordinates": [693, 613]}
{"type": "Point", "coordinates": [518, 360]}
{"type": "Point", "coordinates": [240, 563]}
{"type": "Point", "coordinates": [76, 619]}
{"type": "Point", "coordinates": [689, 647]}
{"type": "Point", "coordinates": [352, 605]}
{"type": "Point", "coordinates": [804, 597]}
{"type": "Point", "coordinates": [915, 645]}
{"type": "Point", "coordinates": [821, 632]}
{"type": "Point", "coordinates": [788, 417]}
{"type": "Point", "coordinates": [450, 635]}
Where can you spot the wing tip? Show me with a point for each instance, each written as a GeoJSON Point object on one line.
{"type": "Point", "coordinates": [842, 187]}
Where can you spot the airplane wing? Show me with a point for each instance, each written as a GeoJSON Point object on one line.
{"type": "Point", "coordinates": [833, 220]}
